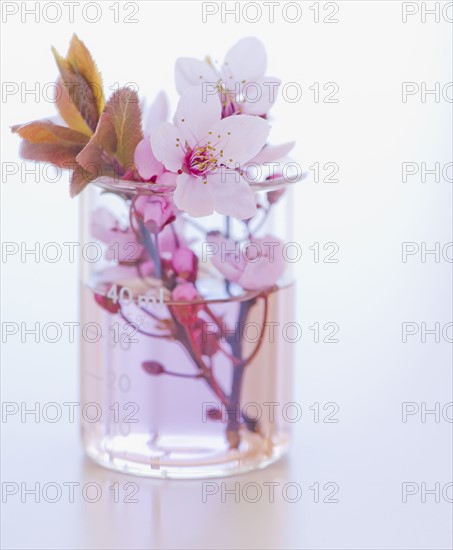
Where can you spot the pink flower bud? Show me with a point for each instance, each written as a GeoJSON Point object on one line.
{"type": "Point", "coordinates": [107, 303]}
{"type": "Point", "coordinates": [185, 264]}
{"type": "Point", "coordinates": [214, 413]}
{"type": "Point", "coordinates": [156, 211]}
{"type": "Point", "coordinates": [153, 367]}
{"type": "Point", "coordinates": [209, 341]}
{"type": "Point", "coordinates": [186, 314]}
{"type": "Point", "coordinates": [185, 292]}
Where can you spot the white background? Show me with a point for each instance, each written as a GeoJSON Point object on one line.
{"type": "Point", "coordinates": [369, 293]}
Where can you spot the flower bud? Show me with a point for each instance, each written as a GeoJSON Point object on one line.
{"type": "Point", "coordinates": [153, 367]}
{"type": "Point", "coordinates": [185, 264]}
{"type": "Point", "coordinates": [156, 211]}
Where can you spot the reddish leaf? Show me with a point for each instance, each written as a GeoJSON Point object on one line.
{"type": "Point", "coordinates": [125, 113]}
{"type": "Point", "coordinates": [60, 155]}
{"type": "Point", "coordinates": [99, 154]}
{"type": "Point", "coordinates": [68, 110]}
{"type": "Point", "coordinates": [43, 131]}
{"type": "Point", "coordinates": [79, 55]}
{"type": "Point", "coordinates": [80, 178]}
{"type": "Point", "coordinates": [47, 142]}
{"type": "Point", "coordinates": [83, 84]}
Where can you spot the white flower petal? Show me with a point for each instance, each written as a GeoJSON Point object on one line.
{"type": "Point", "coordinates": [239, 138]}
{"type": "Point", "coordinates": [260, 95]}
{"type": "Point", "coordinates": [198, 111]}
{"type": "Point", "coordinates": [191, 72]}
{"type": "Point", "coordinates": [102, 223]}
{"type": "Point", "coordinates": [270, 153]}
{"type": "Point", "coordinates": [193, 196]}
{"type": "Point", "coordinates": [166, 147]}
{"type": "Point", "coordinates": [232, 195]}
{"type": "Point", "coordinates": [246, 60]}
{"type": "Point", "coordinates": [155, 113]}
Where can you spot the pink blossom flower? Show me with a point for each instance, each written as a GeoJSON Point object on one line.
{"type": "Point", "coordinates": [240, 81]}
{"type": "Point", "coordinates": [268, 165]}
{"type": "Point", "coordinates": [187, 314]}
{"type": "Point", "coordinates": [167, 240]}
{"type": "Point", "coordinates": [122, 243]}
{"type": "Point", "coordinates": [147, 164]}
{"type": "Point", "coordinates": [257, 265]}
{"type": "Point", "coordinates": [208, 153]}
{"type": "Point", "coordinates": [155, 113]}
{"type": "Point", "coordinates": [156, 211]}
{"type": "Point", "coordinates": [185, 292]}
{"type": "Point", "coordinates": [185, 264]}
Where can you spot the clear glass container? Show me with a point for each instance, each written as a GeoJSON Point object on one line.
{"type": "Point", "coordinates": [189, 384]}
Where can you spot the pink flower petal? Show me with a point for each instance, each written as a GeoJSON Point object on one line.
{"type": "Point", "coordinates": [167, 179]}
{"type": "Point", "coordinates": [241, 138]}
{"type": "Point", "coordinates": [145, 161]}
{"type": "Point", "coordinates": [185, 264]}
{"type": "Point", "coordinates": [191, 72]}
{"type": "Point", "coordinates": [246, 60]}
{"type": "Point", "coordinates": [232, 195]}
{"type": "Point", "coordinates": [198, 111]}
{"type": "Point", "coordinates": [166, 147]}
{"type": "Point", "coordinates": [193, 196]}
{"type": "Point", "coordinates": [268, 266]}
{"type": "Point", "coordinates": [167, 241]}
{"type": "Point", "coordinates": [227, 257]}
{"type": "Point", "coordinates": [257, 266]}
{"type": "Point", "coordinates": [185, 292]}
{"type": "Point", "coordinates": [156, 211]}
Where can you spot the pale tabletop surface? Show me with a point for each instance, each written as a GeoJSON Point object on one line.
{"type": "Point", "coordinates": [364, 459]}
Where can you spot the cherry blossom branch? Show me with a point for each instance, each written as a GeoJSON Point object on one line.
{"type": "Point", "coordinates": [261, 336]}
{"type": "Point", "coordinates": [141, 331]}
{"type": "Point", "coordinates": [238, 372]}
{"type": "Point", "coordinates": [184, 336]}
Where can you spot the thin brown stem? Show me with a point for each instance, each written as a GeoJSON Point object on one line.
{"type": "Point", "coordinates": [168, 336]}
